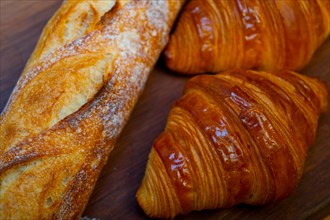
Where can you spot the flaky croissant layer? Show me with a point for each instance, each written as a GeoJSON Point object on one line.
{"type": "Point", "coordinates": [218, 35]}
{"type": "Point", "coordinates": [236, 137]}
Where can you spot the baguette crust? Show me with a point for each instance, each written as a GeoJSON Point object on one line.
{"type": "Point", "coordinates": [73, 20]}
{"type": "Point", "coordinates": [70, 106]}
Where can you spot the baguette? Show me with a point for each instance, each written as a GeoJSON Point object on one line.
{"type": "Point", "coordinates": [71, 103]}
{"type": "Point", "coordinates": [67, 24]}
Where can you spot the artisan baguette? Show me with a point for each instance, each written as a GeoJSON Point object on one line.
{"type": "Point", "coordinates": [71, 104]}
{"type": "Point", "coordinates": [71, 21]}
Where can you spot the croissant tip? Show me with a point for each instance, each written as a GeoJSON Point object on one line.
{"type": "Point", "coordinates": [143, 196]}
{"type": "Point", "coordinates": [142, 200]}
{"type": "Point", "coordinates": [155, 195]}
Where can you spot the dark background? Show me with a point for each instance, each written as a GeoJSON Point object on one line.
{"type": "Point", "coordinates": [114, 194]}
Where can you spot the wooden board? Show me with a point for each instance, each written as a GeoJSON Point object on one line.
{"type": "Point", "coordinates": [114, 194]}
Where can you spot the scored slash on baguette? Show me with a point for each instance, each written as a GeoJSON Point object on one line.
{"type": "Point", "coordinates": [72, 101]}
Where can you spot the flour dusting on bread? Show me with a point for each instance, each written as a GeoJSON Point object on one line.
{"type": "Point", "coordinates": [70, 106]}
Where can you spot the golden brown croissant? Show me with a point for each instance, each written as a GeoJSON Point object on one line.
{"type": "Point", "coordinates": [218, 35]}
{"type": "Point", "coordinates": [73, 100]}
{"type": "Point", "coordinates": [237, 137]}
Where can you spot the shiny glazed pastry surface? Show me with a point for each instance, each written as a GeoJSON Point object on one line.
{"type": "Point", "coordinates": [218, 35]}
{"type": "Point", "coordinates": [236, 137]}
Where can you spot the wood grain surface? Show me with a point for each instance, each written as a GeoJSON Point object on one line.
{"type": "Point", "coordinates": [114, 195]}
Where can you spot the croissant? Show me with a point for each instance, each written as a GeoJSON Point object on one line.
{"type": "Point", "coordinates": [237, 137]}
{"type": "Point", "coordinates": [218, 35]}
